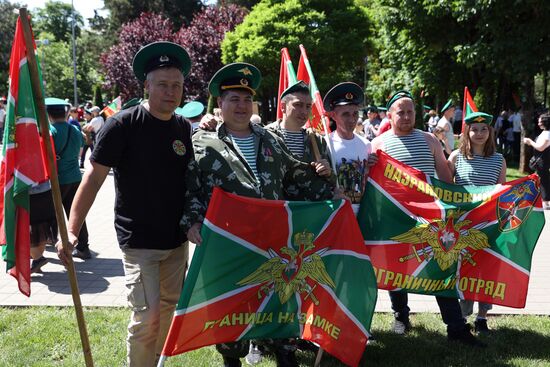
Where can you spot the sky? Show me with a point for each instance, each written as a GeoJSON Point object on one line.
{"type": "Point", "coordinates": [84, 7]}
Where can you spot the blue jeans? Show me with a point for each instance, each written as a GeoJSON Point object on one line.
{"type": "Point", "coordinates": [449, 308]}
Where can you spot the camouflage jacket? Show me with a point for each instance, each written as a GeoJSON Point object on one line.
{"type": "Point", "coordinates": [291, 191]}
{"type": "Point", "coordinates": [218, 162]}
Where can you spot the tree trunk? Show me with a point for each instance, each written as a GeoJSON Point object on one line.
{"type": "Point", "coordinates": [528, 112]}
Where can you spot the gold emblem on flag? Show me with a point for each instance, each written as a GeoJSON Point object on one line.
{"type": "Point", "coordinates": [287, 274]}
{"type": "Point", "coordinates": [444, 240]}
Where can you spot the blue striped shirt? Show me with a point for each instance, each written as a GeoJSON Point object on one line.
{"type": "Point", "coordinates": [478, 170]}
{"type": "Point", "coordinates": [248, 151]}
{"type": "Point", "coordinates": [294, 140]}
{"type": "Point", "coordinates": [411, 149]}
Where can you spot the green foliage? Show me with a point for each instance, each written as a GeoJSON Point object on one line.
{"type": "Point", "coordinates": [178, 11]}
{"type": "Point", "coordinates": [335, 35]}
{"type": "Point", "coordinates": [244, 3]}
{"type": "Point", "coordinates": [7, 29]}
{"type": "Point", "coordinates": [56, 18]}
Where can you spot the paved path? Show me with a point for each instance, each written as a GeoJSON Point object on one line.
{"type": "Point", "coordinates": [101, 279]}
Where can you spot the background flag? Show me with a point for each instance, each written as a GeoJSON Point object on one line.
{"type": "Point", "coordinates": [470, 242]}
{"type": "Point", "coordinates": [468, 107]}
{"type": "Point", "coordinates": [22, 165]}
{"type": "Point", "coordinates": [318, 110]}
{"type": "Point", "coordinates": [305, 274]}
{"type": "Point", "coordinates": [287, 77]}
{"type": "Point", "coordinates": [112, 108]}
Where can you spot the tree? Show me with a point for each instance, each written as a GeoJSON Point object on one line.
{"type": "Point", "coordinates": [117, 61]}
{"type": "Point", "coordinates": [335, 35]}
{"type": "Point", "coordinates": [56, 18]}
{"type": "Point", "coordinates": [202, 39]}
{"type": "Point", "coordinates": [7, 29]}
{"type": "Point", "coordinates": [178, 11]}
{"type": "Point", "coordinates": [98, 98]}
{"type": "Point", "coordinates": [244, 3]}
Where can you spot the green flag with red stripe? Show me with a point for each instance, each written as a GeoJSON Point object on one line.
{"type": "Point", "coordinates": [22, 165]}
{"type": "Point", "coordinates": [428, 237]}
{"type": "Point", "coordinates": [276, 269]}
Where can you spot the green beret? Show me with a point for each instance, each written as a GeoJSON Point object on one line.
{"type": "Point", "coordinates": [131, 103]}
{"type": "Point", "coordinates": [477, 117]}
{"type": "Point", "coordinates": [55, 102]}
{"type": "Point", "coordinates": [343, 94]}
{"type": "Point", "coordinates": [238, 75]}
{"type": "Point", "coordinates": [397, 96]}
{"type": "Point", "coordinates": [160, 54]}
{"type": "Point", "coordinates": [448, 105]}
{"type": "Point", "coordinates": [299, 86]}
{"type": "Point", "coordinates": [190, 110]}
{"type": "Point", "coordinates": [382, 109]}
{"type": "Point", "coordinates": [371, 109]}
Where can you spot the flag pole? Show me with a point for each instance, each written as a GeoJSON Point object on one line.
{"type": "Point", "coordinates": [56, 193]}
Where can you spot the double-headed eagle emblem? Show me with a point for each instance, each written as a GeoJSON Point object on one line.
{"type": "Point", "coordinates": [286, 274]}
{"type": "Point", "coordinates": [446, 240]}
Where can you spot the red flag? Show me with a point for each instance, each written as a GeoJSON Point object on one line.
{"type": "Point", "coordinates": [287, 76]}
{"type": "Point", "coordinates": [318, 110]}
{"type": "Point", "coordinates": [22, 165]}
{"type": "Point", "coordinates": [468, 107]}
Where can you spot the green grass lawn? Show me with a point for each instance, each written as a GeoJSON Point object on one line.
{"type": "Point", "coordinates": [48, 336]}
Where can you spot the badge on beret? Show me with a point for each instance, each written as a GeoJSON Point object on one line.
{"type": "Point", "coordinates": [246, 71]}
{"type": "Point", "coordinates": [479, 119]}
{"type": "Point", "coordinates": [349, 96]}
{"type": "Point", "coordinates": [164, 58]}
{"type": "Point", "coordinates": [178, 147]}
{"type": "Point", "coordinates": [244, 82]}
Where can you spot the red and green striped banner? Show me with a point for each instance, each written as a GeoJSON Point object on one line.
{"type": "Point", "coordinates": [468, 107]}
{"type": "Point", "coordinates": [287, 77]}
{"type": "Point", "coordinates": [22, 165]}
{"type": "Point", "coordinates": [276, 269]}
{"type": "Point", "coordinates": [428, 237]}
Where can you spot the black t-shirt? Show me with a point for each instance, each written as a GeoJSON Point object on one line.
{"type": "Point", "coordinates": [149, 158]}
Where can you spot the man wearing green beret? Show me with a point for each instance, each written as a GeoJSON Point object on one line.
{"type": "Point", "coordinates": [296, 105]}
{"type": "Point", "coordinates": [192, 112]}
{"type": "Point", "coordinates": [246, 159]}
{"type": "Point", "coordinates": [147, 146]}
{"type": "Point", "coordinates": [445, 123]}
{"type": "Point", "coordinates": [420, 150]}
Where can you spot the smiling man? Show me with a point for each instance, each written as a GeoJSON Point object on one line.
{"type": "Point", "coordinates": [147, 146]}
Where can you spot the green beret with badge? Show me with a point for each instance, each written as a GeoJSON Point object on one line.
{"type": "Point", "coordinates": [478, 117]}
{"type": "Point", "coordinates": [447, 105]}
{"type": "Point", "coordinates": [158, 55]}
{"type": "Point", "coordinates": [190, 110]}
{"type": "Point", "coordinates": [236, 76]}
{"type": "Point", "coordinates": [298, 87]}
{"type": "Point", "coordinates": [397, 96]}
{"type": "Point", "coordinates": [343, 94]}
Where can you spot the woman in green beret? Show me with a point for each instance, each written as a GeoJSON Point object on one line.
{"type": "Point", "coordinates": [476, 162]}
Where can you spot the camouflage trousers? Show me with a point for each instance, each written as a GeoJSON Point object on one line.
{"type": "Point", "coordinates": [240, 349]}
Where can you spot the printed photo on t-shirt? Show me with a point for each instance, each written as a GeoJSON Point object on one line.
{"type": "Point", "coordinates": [351, 178]}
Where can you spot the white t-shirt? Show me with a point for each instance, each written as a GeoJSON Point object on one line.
{"type": "Point", "coordinates": [97, 123]}
{"type": "Point", "coordinates": [351, 158]}
{"type": "Point", "coordinates": [543, 136]}
{"type": "Point", "coordinates": [2, 117]}
{"type": "Point", "coordinates": [449, 133]}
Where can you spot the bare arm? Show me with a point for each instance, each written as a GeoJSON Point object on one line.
{"type": "Point", "coordinates": [538, 146]}
{"type": "Point", "coordinates": [441, 166]}
{"type": "Point", "coordinates": [451, 162]}
{"type": "Point", "coordinates": [83, 200]}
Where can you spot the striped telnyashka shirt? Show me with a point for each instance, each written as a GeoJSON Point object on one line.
{"type": "Point", "coordinates": [411, 149]}
{"type": "Point", "coordinates": [294, 140]}
{"type": "Point", "coordinates": [246, 146]}
{"type": "Point", "coordinates": [478, 170]}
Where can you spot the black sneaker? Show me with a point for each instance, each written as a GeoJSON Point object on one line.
{"type": "Point", "coordinates": [231, 362]}
{"type": "Point", "coordinates": [286, 358]}
{"type": "Point", "coordinates": [466, 337]}
{"type": "Point", "coordinates": [401, 327]}
{"type": "Point", "coordinates": [82, 254]}
{"type": "Point", "coordinates": [480, 326]}
{"type": "Point", "coordinates": [37, 264]}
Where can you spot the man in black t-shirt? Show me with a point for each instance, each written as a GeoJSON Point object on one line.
{"type": "Point", "coordinates": [149, 148]}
